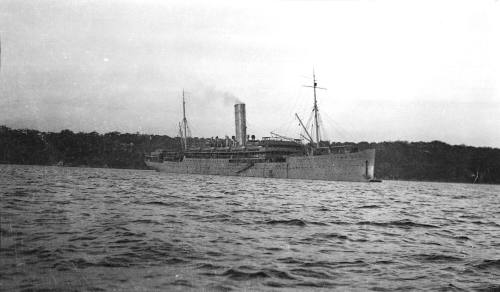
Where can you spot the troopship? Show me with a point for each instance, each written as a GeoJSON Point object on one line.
{"type": "Point", "coordinates": [269, 157]}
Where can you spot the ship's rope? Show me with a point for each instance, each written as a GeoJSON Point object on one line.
{"type": "Point", "coordinates": [341, 134]}
{"type": "Point", "coordinates": [290, 126]}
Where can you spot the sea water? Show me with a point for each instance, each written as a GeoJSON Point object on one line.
{"type": "Point", "coordinates": [87, 229]}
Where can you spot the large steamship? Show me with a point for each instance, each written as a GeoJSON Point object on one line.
{"type": "Point", "coordinates": [273, 157]}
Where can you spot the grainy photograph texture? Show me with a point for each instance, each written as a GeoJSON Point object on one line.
{"type": "Point", "coordinates": [282, 145]}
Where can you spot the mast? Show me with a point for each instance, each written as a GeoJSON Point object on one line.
{"type": "Point", "coordinates": [182, 136]}
{"type": "Point", "coordinates": [184, 120]}
{"type": "Point", "coordinates": [315, 108]}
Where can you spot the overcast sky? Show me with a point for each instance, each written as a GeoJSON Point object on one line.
{"type": "Point", "coordinates": [394, 70]}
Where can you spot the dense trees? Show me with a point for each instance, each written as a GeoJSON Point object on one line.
{"type": "Point", "coordinates": [436, 161]}
{"type": "Point", "coordinates": [429, 161]}
{"type": "Point", "coordinates": [79, 149]}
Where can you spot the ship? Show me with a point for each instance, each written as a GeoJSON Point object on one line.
{"type": "Point", "coordinates": [277, 156]}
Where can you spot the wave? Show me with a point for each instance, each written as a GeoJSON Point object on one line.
{"type": "Point", "coordinates": [317, 284]}
{"type": "Point", "coordinates": [167, 204]}
{"type": "Point", "coordinates": [248, 211]}
{"type": "Point", "coordinates": [35, 251]}
{"type": "Point", "coordinates": [279, 274]}
{"type": "Point", "coordinates": [289, 260]}
{"type": "Point", "coordinates": [397, 223]}
{"type": "Point", "coordinates": [327, 264]}
{"type": "Point", "coordinates": [84, 237]}
{"type": "Point", "coordinates": [182, 282]}
{"type": "Point", "coordinates": [340, 223]}
{"type": "Point", "coordinates": [209, 266]}
{"type": "Point", "coordinates": [369, 207]}
{"type": "Point", "coordinates": [437, 258]}
{"type": "Point", "coordinates": [292, 222]}
{"type": "Point", "coordinates": [489, 288]}
{"type": "Point", "coordinates": [330, 235]}
{"type": "Point", "coordinates": [127, 240]}
{"type": "Point", "coordinates": [311, 273]}
{"type": "Point", "coordinates": [10, 232]}
{"type": "Point", "coordinates": [146, 221]}
{"type": "Point", "coordinates": [488, 264]}
{"type": "Point", "coordinates": [240, 275]}
{"type": "Point", "coordinates": [235, 274]}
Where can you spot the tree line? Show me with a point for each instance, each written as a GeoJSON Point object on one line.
{"type": "Point", "coordinates": [401, 160]}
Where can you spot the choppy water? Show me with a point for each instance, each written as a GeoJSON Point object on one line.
{"type": "Point", "coordinates": [104, 229]}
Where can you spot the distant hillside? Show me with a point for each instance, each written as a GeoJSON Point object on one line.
{"type": "Point", "coordinates": [428, 161]}
{"type": "Point", "coordinates": [113, 149]}
{"type": "Point", "coordinates": [435, 161]}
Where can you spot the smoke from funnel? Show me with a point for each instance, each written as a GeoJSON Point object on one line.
{"type": "Point", "coordinates": [230, 99]}
{"type": "Point", "coordinates": [213, 94]}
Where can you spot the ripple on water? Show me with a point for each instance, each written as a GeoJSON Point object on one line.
{"type": "Point", "coordinates": [73, 229]}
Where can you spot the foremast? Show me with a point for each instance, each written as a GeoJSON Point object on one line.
{"type": "Point", "coordinates": [184, 127]}
{"type": "Point", "coordinates": [315, 109]}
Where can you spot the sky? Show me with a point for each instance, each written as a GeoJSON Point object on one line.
{"type": "Point", "coordinates": [393, 70]}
